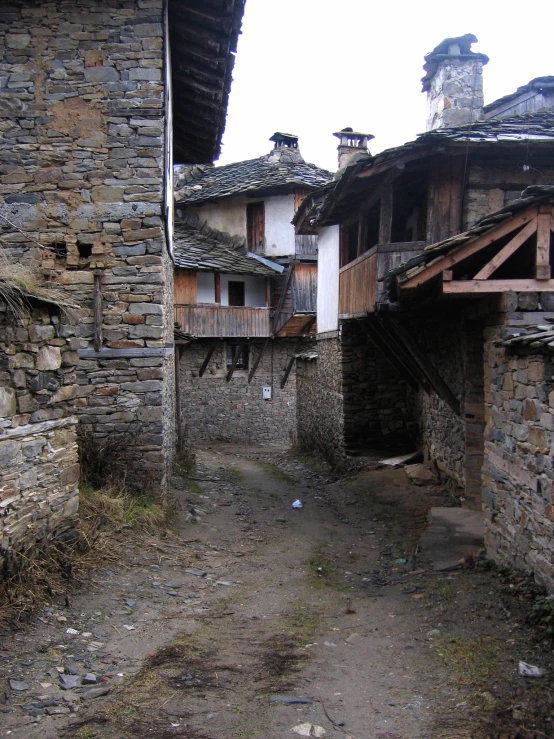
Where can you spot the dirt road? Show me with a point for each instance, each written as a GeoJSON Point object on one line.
{"type": "Point", "coordinates": [213, 632]}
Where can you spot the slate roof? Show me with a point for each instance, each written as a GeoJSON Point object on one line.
{"type": "Point", "coordinates": [518, 129]}
{"type": "Point", "coordinates": [538, 83]}
{"type": "Point", "coordinates": [203, 39]}
{"type": "Point", "coordinates": [530, 196]}
{"type": "Point", "coordinates": [533, 337]}
{"type": "Point", "coordinates": [194, 249]}
{"type": "Point", "coordinates": [253, 177]}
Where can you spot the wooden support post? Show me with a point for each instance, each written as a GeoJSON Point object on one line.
{"type": "Point", "coordinates": [435, 380]}
{"type": "Point", "coordinates": [544, 224]}
{"type": "Point", "coordinates": [287, 371]}
{"type": "Point", "coordinates": [385, 220]}
{"type": "Point", "coordinates": [217, 285]}
{"type": "Point", "coordinates": [234, 361]}
{"type": "Point", "coordinates": [257, 361]}
{"type": "Point", "coordinates": [98, 338]}
{"type": "Point", "coordinates": [206, 361]}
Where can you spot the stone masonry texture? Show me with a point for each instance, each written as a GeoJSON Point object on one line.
{"type": "Point", "coordinates": [39, 467]}
{"type": "Point", "coordinates": [82, 147]}
{"type": "Point", "coordinates": [518, 474]}
{"type": "Point", "coordinates": [235, 411]}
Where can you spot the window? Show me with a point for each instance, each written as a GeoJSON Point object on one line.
{"type": "Point", "coordinates": [255, 226]}
{"type": "Point", "coordinates": [235, 291]}
{"type": "Point", "coordinates": [242, 361]}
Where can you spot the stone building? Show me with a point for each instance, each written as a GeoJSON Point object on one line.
{"type": "Point", "coordinates": [96, 97]}
{"type": "Point", "coordinates": [39, 466]}
{"type": "Point", "coordinates": [245, 289]}
{"type": "Point", "coordinates": [431, 254]}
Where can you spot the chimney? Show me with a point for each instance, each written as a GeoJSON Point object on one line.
{"type": "Point", "coordinates": [351, 144]}
{"type": "Point", "coordinates": [285, 148]}
{"type": "Point", "coordinates": [454, 83]}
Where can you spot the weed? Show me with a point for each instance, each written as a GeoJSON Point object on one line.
{"type": "Point", "coordinates": [440, 589]}
{"type": "Point", "coordinates": [234, 472]}
{"type": "Point", "coordinates": [542, 616]}
{"type": "Point", "coordinates": [303, 620]}
{"type": "Point", "coordinates": [275, 472]}
{"type": "Point", "coordinates": [474, 659]}
{"type": "Point", "coordinates": [86, 733]}
{"type": "Point", "coordinates": [119, 506]}
{"type": "Point", "coordinates": [323, 570]}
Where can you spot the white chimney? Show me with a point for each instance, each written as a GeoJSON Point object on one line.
{"type": "Point", "coordinates": [351, 143]}
{"type": "Point", "coordinates": [285, 148]}
{"type": "Point", "coordinates": [454, 83]}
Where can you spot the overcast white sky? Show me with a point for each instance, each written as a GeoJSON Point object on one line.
{"type": "Point", "coordinates": [311, 67]}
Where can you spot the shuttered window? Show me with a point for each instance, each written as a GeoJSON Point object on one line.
{"type": "Point", "coordinates": [255, 226]}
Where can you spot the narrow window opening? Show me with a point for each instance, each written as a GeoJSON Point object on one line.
{"type": "Point", "coordinates": [255, 226]}
{"type": "Point", "coordinates": [236, 293]}
{"type": "Point", "coordinates": [242, 362]}
{"type": "Point", "coordinates": [85, 251]}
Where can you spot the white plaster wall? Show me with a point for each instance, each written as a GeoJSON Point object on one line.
{"type": "Point", "coordinates": [328, 280]}
{"type": "Point", "coordinates": [279, 231]}
{"type": "Point", "coordinates": [227, 215]}
{"type": "Point", "coordinates": [254, 290]}
{"type": "Point", "coordinates": [205, 287]}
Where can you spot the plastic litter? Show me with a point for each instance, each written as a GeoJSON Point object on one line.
{"type": "Point", "coordinates": [527, 670]}
{"type": "Point", "coordinates": [73, 632]}
{"type": "Point", "coordinates": [308, 729]}
{"type": "Point", "coordinates": [128, 628]}
{"type": "Point", "coordinates": [298, 504]}
{"type": "Point", "coordinates": [400, 561]}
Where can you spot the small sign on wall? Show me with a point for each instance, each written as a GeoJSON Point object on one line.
{"type": "Point", "coordinates": [266, 392]}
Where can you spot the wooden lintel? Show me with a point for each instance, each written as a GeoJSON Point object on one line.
{"type": "Point", "coordinates": [206, 361]}
{"type": "Point", "coordinates": [470, 287]}
{"type": "Point", "coordinates": [430, 372]}
{"type": "Point", "coordinates": [543, 271]}
{"type": "Point", "coordinates": [466, 250]}
{"type": "Point", "coordinates": [511, 247]}
{"type": "Point", "coordinates": [236, 356]}
{"type": "Point", "coordinates": [257, 361]}
{"type": "Point", "coordinates": [287, 371]}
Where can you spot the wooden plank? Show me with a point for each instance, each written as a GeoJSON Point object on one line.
{"type": "Point", "coordinates": [357, 286]}
{"type": "Point", "coordinates": [544, 225]}
{"type": "Point", "coordinates": [466, 250]}
{"type": "Point", "coordinates": [385, 222]}
{"type": "Point", "coordinates": [236, 356]}
{"type": "Point", "coordinates": [308, 325]}
{"type": "Point", "coordinates": [299, 196]}
{"type": "Point", "coordinates": [255, 226]}
{"type": "Point", "coordinates": [217, 285]}
{"type": "Point", "coordinates": [185, 287]}
{"type": "Point", "coordinates": [507, 251]}
{"type": "Point", "coordinates": [207, 358]}
{"type": "Point", "coordinates": [287, 371]}
{"type": "Point", "coordinates": [257, 361]}
{"type": "Point", "coordinates": [304, 288]}
{"type": "Point", "coordinates": [430, 372]}
{"type": "Point", "coordinates": [470, 287]}
{"type": "Point", "coordinates": [98, 337]}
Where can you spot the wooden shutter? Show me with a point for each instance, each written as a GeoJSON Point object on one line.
{"type": "Point", "coordinates": [255, 226]}
{"type": "Point", "coordinates": [185, 287]}
{"type": "Point", "coordinates": [299, 196]}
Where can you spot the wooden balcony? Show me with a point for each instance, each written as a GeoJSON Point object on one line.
{"type": "Point", "coordinates": [219, 321]}
{"type": "Point", "coordinates": [359, 289]}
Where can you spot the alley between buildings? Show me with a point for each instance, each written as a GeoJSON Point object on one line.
{"type": "Point", "coordinates": [255, 619]}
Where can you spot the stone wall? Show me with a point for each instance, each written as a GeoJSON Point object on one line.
{"type": "Point", "coordinates": [518, 473]}
{"type": "Point", "coordinates": [39, 467]}
{"type": "Point", "coordinates": [81, 165]}
{"type": "Point", "coordinates": [234, 411]}
{"type": "Point", "coordinates": [320, 404]}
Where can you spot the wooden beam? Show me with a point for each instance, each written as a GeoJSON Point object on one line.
{"type": "Point", "coordinates": [282, 297]}
{"type": "Point", "coordinates": [234, 362]}
{"type": "Point", "coordinates": [471, 287]}
{"type": "Point", "coordinates": [466, 250]}
{"type": "Point", "coordinates": [432, 375]}
{"type": "Point", "coordinates": [98, 337]}
{"type": "Point", "coordinates": [206, 361]}
{"type": "Point", "coordinates": [287, 371]}
{"type": "Point", "coordinates": [385, 218]}
{"type": "Point", "coordinates": [257, 361]}
{"type": "Point", "coordinates": [217, 286]}
{"type": "Point", "coordinates": [542, 264]}
{"type": "Point", "coordinates": [392, 355]}
{"type": "Point", "coordinates": [507, 251]}
{"type": "Point", "coordinates": [307, 326]}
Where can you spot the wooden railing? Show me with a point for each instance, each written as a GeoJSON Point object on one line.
{"type": "Point", "coordinates": [359, 290]}
{"type": "Point", "coordinates": [220, 321]}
